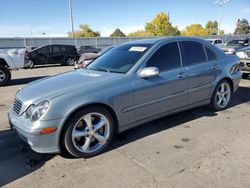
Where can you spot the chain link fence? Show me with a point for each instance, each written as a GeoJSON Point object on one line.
{"type": "Point", "coordinates": [99, 42]}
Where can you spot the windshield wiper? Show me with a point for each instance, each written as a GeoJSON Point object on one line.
{"type": "Point", "coordinates": [101, 69]}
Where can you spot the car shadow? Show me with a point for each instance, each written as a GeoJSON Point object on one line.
{"type": "Point", "coordinates": [16, 158]}
{"type": "Point", "coordinates": [49, 66]}
{"type": "Point", "coordinates": [22, 81]}
{"type": "Point", "coordinates": [241, 96]}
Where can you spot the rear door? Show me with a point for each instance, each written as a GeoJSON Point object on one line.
{"type": "Point", "coordinates": [203, 70]}
{"type": "Point", "coordinates": [58, 54]}
{"type": "Point", "coordinates": [166, 92]}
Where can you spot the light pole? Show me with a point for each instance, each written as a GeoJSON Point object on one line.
{"type": "Point", "coordinates": [71, 18]}
{"type": "Point", "coordinates": [221, 3]}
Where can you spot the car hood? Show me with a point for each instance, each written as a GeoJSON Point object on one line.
{"type": "Point", "coordinates": [52, 87]}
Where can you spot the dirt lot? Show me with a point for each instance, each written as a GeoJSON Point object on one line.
{"type": "Point", "coordinates": [197, 148]}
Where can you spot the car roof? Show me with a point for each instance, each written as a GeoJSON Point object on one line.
{"type": "Point", "coordinates": [164, 39]}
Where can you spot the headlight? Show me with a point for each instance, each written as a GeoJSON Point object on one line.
{"type": "Point", "coordinates": [241, 55]}
{"type": "Point", "coordinates": [34, 112]}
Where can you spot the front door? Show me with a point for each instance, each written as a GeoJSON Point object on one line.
{"type": "Point", "coordinates": [43, 56]}
{"type": "Point", "coordinates": [163, 93]}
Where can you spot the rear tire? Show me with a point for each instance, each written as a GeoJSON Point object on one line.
{"type": "Point", "coordinates": [88, 133]}
{"type": "Point", "coordinates": [221, 96]}
{"type": "Point", "coordinates": [5, 75]}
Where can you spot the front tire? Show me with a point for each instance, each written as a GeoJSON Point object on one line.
{"type": "Point", "coordinates": [221, 96]}
{"type": "Point", "coordinates": [5, 75]}
{"type": "Point", "coordinates": [88, 132]}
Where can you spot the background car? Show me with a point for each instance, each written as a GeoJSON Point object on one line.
{"type": "Point", "coordinates": [244, 55]}
{"type": "Point", "coordinates": [134, 83]}
{"type": "Point", "coordinates": [217, 42]}
{"type": "Point", "coordinates": [233, 46]}
{"type": "Point", "coordinates": [52, 54]}
{"type": "Point", "coordinates": [87, 58]}
{"type": "Point", "coordinates": [12, 59]}
{"type": "Point", "coordinates": [87, 49]}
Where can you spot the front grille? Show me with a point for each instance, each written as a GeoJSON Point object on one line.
{"type": "Point", "coordinates": [17, 106]}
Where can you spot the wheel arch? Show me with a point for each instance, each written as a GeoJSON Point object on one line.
{"type": "Point", "coordinates": [230, 82]}
{"type": "Point", "coordinates": [3, 62]}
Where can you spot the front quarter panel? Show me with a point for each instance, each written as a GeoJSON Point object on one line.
{"type": "Point", "coordinates": [117, 94]}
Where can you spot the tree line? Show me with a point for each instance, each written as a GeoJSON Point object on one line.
{"type": "Point", "coordinates": [161, 26]}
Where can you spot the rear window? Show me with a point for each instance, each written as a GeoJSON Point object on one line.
{"type": "Point", "coordinates": [193, 53]}
{"type": "Point", "coordinates": [211, 56]}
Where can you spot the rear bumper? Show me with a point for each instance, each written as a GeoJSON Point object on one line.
{"type": "Point", "coordinates": [48, 143]}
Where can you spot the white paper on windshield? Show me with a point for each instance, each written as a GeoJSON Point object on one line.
{"type": "Point", "coordinates": [137, 49]}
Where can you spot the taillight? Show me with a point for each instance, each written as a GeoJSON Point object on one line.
{"type": "Point", "coordinates": [26, 54]}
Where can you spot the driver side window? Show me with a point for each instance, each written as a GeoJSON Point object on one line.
{"type": "Point", "coordinates": [166, 57]}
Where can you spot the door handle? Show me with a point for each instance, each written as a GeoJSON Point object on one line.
{"type": "Point", "coordinates": [182, 75]}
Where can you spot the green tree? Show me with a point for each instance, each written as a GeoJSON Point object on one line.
{"type": "Point", "coordinates": [140, 33]}
{"type": "Point", "coordinates": [161, 26]}
{"type": "Point", "coordinates": [243, 28]}
{"type": "Point", "coordinates": [195, 30]}
{"type": "Point", "coordinates": [85, 31]}
{"type": "Point", "coordinates": [212, 27]}
{"type": "Point", "coordinates": [118, 33]}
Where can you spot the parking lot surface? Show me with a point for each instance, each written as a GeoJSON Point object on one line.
{"type": "Point", "coordinates": [196, 148]}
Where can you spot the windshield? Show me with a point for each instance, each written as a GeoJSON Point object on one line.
{"type": "Point", "coordinates": [106, 50]}
{"type": "Point", "coordinates": [120, 59]}
{"type": "Point", "coordinates": [236, 42]}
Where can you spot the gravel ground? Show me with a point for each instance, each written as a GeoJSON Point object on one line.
{"type": "Point", "coordinates": [196, 148]}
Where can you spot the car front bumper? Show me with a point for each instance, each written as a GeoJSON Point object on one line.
{"type": "Point", "coordinates": [30, 133]}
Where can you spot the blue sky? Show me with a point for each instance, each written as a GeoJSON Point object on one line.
{"type": "Point", "coordinates": [23, 17]}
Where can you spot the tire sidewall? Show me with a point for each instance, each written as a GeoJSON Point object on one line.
{"type": "Point", "coordinates": [67, 132]}
{"type": "Point", "coordinates": [214, 104]}
{"type": "Point", "coordinates": [7, 75]}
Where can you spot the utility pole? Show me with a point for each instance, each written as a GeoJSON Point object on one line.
{"type": "Point", "coordinates": [71, 18]}
{"type": "Point", "coordinates": [220, 3]}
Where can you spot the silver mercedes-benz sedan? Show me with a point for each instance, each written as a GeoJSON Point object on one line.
{"type": "Point", "coordinates": [79, 112]}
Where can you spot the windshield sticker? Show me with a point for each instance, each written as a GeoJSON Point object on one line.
{"type": "Point", "coordinates": [137, 49]}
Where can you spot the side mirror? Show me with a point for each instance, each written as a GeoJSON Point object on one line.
{"type": "Point", "coordinates": [149, 72]}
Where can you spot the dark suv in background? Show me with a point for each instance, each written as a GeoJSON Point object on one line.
{"type": "Point", "coordinates": [52, 54]}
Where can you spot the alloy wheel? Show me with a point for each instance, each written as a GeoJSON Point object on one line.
{"type": "Point", "coordinates": [2, 76]}
{"type": "Point", "coordinates": [91, 132]}
{"type": "Point", "coordinates": [223, 95]}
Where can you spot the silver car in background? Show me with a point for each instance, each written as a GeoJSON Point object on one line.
{"type": "Point", "coordinates": [244, 55]}
{"type": "Point", "coordinates": [80, 111]}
